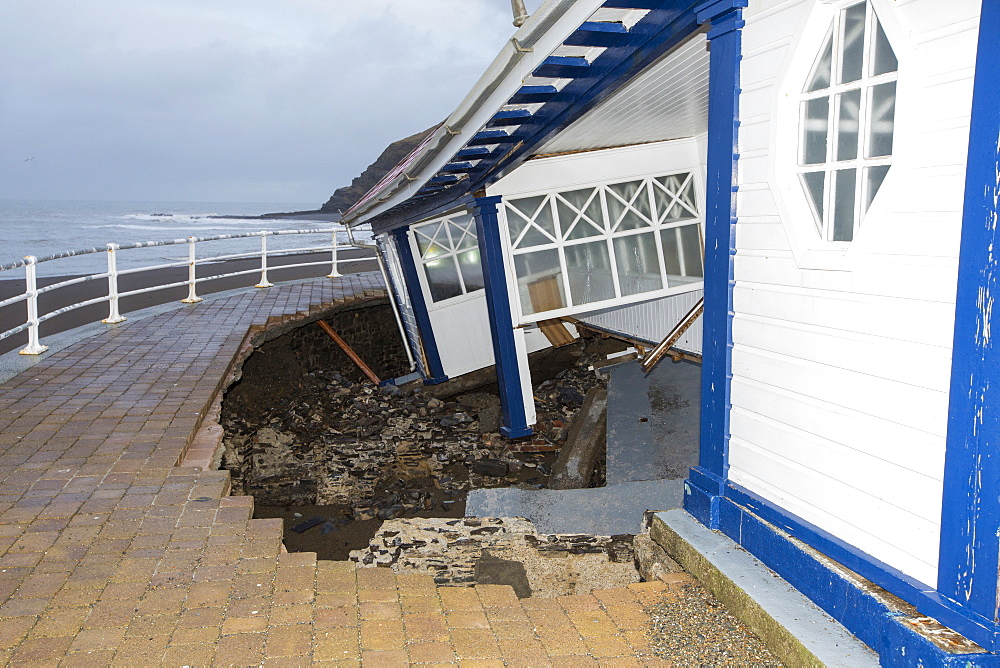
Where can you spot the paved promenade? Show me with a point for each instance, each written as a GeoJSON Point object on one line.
{"type": "Point", "coordinates": [114, 554]}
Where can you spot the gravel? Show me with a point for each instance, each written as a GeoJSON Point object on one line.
{"type": "Point", "coordinates": [692, 628]}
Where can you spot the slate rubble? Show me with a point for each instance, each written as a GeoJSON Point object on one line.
{"type": "Point", "coordinates": [388, 452]}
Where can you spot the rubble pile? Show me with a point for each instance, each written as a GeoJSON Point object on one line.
{"type": "Point", "coordinates": [388, 452]}
{"type": "Point", "coordinates": [501, 551]}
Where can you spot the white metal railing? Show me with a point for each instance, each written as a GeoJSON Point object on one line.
{"type": "Point", "coordinates": [193, 261]}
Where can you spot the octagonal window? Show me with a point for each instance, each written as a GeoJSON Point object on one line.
{"type": "Point", "coordinates": [846, 121]}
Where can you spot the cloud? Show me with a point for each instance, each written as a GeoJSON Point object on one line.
{"type": "Point", "coordinates": [226, 100]}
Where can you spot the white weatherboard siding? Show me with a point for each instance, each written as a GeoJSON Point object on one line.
{"type": "Point", "coordinates": [462, 332]}
{"type": "Point", "coordinates": [841, 361]}
{"type": "Point", "coordinates": [652, 320]}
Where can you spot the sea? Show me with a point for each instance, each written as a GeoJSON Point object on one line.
{"type": "Point", "coordinates": [43, 228]}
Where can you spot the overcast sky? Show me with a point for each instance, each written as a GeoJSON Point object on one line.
{"type": "Point", "coordinates": [226, 100]}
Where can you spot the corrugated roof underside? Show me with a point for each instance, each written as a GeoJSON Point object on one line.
{"type": "Point", "coordinates": [667, 101]}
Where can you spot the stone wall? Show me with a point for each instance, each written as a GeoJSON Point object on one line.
{"type": "Point", "coordinates": [371, 331]}
{"type": "Point", "coordinates": [502, 550]}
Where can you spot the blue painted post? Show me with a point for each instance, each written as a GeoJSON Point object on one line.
{"type": "Point", "coordinates": [435, 371]}
{"type": "Point", "coordinates": [704, 486]}
{"type": "Point", "coordinates": [970, 513]}
{"type": "Point", "coordinates": [508, 363]}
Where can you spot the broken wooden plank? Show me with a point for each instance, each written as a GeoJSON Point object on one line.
{"type": "Point", "coordinates": [350, 351]}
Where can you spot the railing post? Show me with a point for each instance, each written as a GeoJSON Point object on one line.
{"type": "Point", "coordinates": [264, 283]}
{"type": "Point", "coordinates": [192, 297]}
{"type": "Point", "coordinates": [31, 291]}
{"type": "Point", "coordinates": [113, 316]}
{"type": "Point", "coordinates": [334, 272]}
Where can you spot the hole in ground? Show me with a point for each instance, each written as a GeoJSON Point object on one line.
{"type": "Point", "coordinates": [335, 456]}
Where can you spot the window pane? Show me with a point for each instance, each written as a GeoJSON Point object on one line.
{"type": "Point", "coordinates": [682, 254]}
{"type": "Point", "coordinates": [539, 280]}
{"type": "Point", "coordinates": [875, 177]}
{"type": "Point", "coordinates": [849, 104]}
{"type": "Point", "coordinates": [882, 114]}
{"type": "Point", "coordinates": [539, 211]}
{"type": "Point", "coordinates": [575, 225]}
{"type": "Point", "coordinates": [432, 240]}
{"type": "Point", "coordinates": [472, 270]}
{"type": "Point", "coordinates": [692, 251]}
{"type": "Point", "coordinates": [463, 233]}
{"type": "Point", "coordinates": [813, 183]}
{"type": "Point", "coordinates": [843, 205]}
{"type": "Point", "coordinates": [883, 58]}
{"type": "Point", "coordinates": [815, 130]}
{"type": "Point", "coordinates": [545, 221]}
{"type": "Point", "coordinates": [638, 264]}
{"type": "Point", "coordinates": [589, 268]}
{"type": "Point", "coordinates": [442, 279]}
{"type": "Point", "coordinates": [853, 49]}
{"type": "Point", "coordinates": [577, 198]}
{"type": "Point", "coordinates": [687, 196]}
{"type": "Point", "coordinates": [516, 223]}
{"type": "Point", "coordinates": [819, 78]}
{"type": "Point", "coordinates": [628, 217]}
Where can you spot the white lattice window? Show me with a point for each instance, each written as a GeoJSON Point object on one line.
{"type": "Point", "coordinates": [605, 242]}
{"type": "Point", "coordinates": [847, 116]}
{"type": "Point", "coordinates": [449, 254]}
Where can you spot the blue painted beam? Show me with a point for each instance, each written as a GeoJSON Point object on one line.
{"type": "Point", "coordinates": [444, 179]}
{"type": "Point", "coordinates": [720, 249]}
{"type": "Point", "coordinates": [435, 370]}
{"type": "Point", "coordinates": [487, 137]}
{"type": "Point", "coordinates": [864, 614]}
{"type": "Point", "coordinates": [660, 30]}
{"type": "Point", "coordinates": [663, 28]}
{"type": "Point", "coordinates": [599, 33]}
{"type": "Point", "coordinates": [533, 94]}
{"type": "Point", "coordinates": [563, 67]}
{"type": "Point", "coordinates": [511, 117]}
{"type": "Point", "coordinates": [970, 513]}
{"type": "Point", "coordinates": [472, 152]}
{"type": "Point", "coordinates": [458, 168]}
{"type": "Point", "coordinates": [501, 321]}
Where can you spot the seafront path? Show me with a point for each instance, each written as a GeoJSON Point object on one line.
{"type": "Point", "coordinates": [120, 545]}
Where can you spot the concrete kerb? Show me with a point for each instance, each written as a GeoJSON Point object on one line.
{"type": "Point", "coordinates": [792, 627]}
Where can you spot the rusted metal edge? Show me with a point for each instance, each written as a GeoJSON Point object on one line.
{"type": "Point", "coordinates": [661, 349]}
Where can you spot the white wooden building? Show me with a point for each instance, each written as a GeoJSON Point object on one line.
{"type": "Point", "coordinates": [825, 174]}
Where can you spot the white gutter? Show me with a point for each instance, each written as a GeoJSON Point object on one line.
{"type": "Point", "coordinates": [541, 34]}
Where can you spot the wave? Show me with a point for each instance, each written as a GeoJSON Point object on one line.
{"type": "Point", "coordinates": [163, 228]}
{"type": "Point", "coordinates": [185, 217]}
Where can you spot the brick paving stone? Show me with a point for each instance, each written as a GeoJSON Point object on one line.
{"type": "Point", "coordinates": [431, 652]}
{"type": "Point", "coordinates": [475, 644]}
{"type": "Point", "coordinates": [115, 550]}
{"type": "Point", "coordinates": [385, 658]}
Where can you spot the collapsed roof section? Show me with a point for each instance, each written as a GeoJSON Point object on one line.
{"type": "Point", "coordinates": [553, 88]}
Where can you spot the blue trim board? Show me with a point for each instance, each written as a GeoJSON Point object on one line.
{"type": "Point", "coordinates": [720, 236]}
{"type": "Point", "coordinates": [435, 371]}
{"type": "Point", "coordinates": [501, 322]}
{"type": "Point", "coordinates": [766, 531]}
{"type": "Point", "coordinates": [970, 513]}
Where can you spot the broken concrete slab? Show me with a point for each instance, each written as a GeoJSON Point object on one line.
{"type": "Point", "coordinates": [585, 441]}
{"type": "Point", "coordinates": [653, 421]}
{"type": "Point", "coordinates": [605, 511]}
